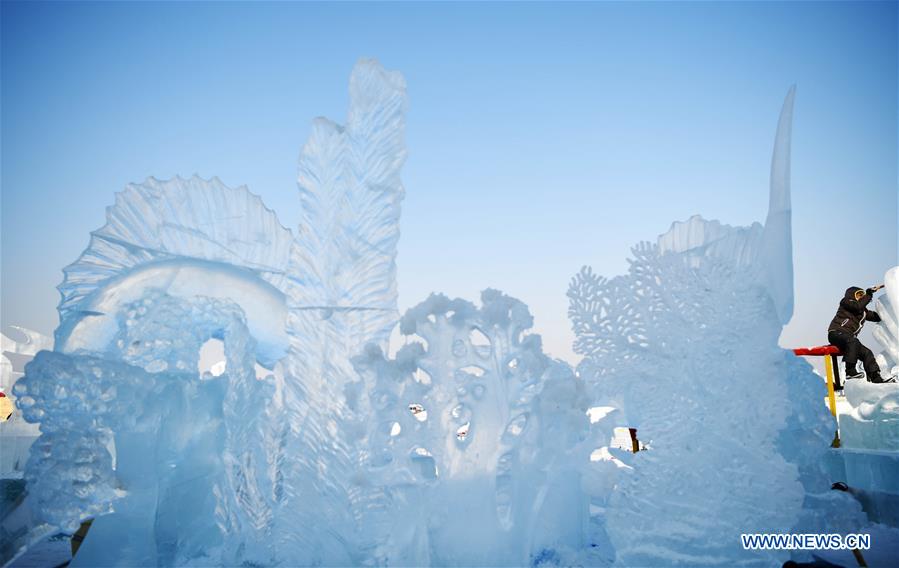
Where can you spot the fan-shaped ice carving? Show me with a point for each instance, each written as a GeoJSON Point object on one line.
{"type": "Point", "coordinates": [700, 238]}
{"type": "Point", "coordinates": [190, 237]}
{"type": "Point", "coordinates": [479, 435]}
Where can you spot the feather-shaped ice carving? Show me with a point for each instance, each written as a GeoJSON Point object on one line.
{"type": "Point", "coordinates": [350, 191]}
{"type": "Point", "coordinates": [343, 297]}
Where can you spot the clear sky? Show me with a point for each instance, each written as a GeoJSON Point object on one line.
{"type": "Point", "coordinates": [541, 137]}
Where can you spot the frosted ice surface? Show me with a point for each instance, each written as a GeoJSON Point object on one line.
{"type": "Point", "coordinates": [176, 460]}
{"type": "Point", "coordinates": [341, 295]}
{"type": "Point", "coordinates": [873, 421]}
{"type": "Point", "coordinates": [481, 437]}
{"type": "Point", "coordinates": [190, 238]}
{"type": "Point", "coordinates": [887, 331]}
{"type": "Point", "coordinates": [702, 379]}
{"type": "Point", "coordinates": [17, 435]}
{"type": "Point", "coordinates": [685, 345]}
{"type": "Point", "coordinates": [138, 432]}
{"type": "Point", "coordinates": [701, 237]}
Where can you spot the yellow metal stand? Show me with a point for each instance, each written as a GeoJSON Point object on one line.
{"type": "Point", "coordinates": [832, 399]}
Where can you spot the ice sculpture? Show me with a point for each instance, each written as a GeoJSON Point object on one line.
{"type": "Point", "coordinates": [887, 331]}
{"type": "Point", "coordinates": [311, 446]}
{"type": "Point", "coordinates": [873, 420]}
{"type": "Point", "coordinates": [16, 435]}
{"type": "Point", "coordinates": [480, 441]}
{"type": "Point", "coordinates": [769, 248]}
{"type": "Point", "coordinates": [685, 345]}
{"type": "Point", "coordinates": [701, 378]}
{"type": "Point", "coordinates": [341, 295]}
{"type": "Point", "coordinates": [188, 237]}
{"type": "Point", "coordinates": [230, 468]}
{"type": "Point", "coordinates": [217, 254]}
{"type": "Point", "coordinates": [14, 354]}
{"type": "Point", "coordinates": [777, 239]}
{"type": "Point", "coordinates": [178, 438]}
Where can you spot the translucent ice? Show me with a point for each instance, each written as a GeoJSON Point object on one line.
{"type": "Point", "coordinates": [341, 295]}
{"type": "Point", "coordinates": [479, 439]}
{"type": "Point", "coordinates": [777, 238]}
{"type": "Point", "coordinates": [872, 423]}
{"type": "Point", "coordinates": [188, 237]}
{"type": "Point", "coordinates": [309, 445]}
{"type": "Point", "coordinates": [770, 247]}
{"type": "Point", "coordinates": [685, 345]}
{"type": "Point", "coordinates": [137, 432]}
{"type": "Point", "coordinates": [224, 467]}
{"type": "Point", "coordinates": [17, 435]}
{"type": "Point", "coordinates": [887, 331]}
{"type": "Point", "coordinates": [702, 379]}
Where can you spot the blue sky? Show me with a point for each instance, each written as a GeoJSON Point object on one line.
{"type": "Point", "coordinates": [541, 137]}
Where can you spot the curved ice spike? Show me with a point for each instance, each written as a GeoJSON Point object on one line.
{"type": "Point", "coordinates": [777, 239]}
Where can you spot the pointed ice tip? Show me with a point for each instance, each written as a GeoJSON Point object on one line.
{"type": "Point", "coordinates": [779, 196]}
{"type": "Point", "coordinates": [372, 86]}
{"type": "Point", "coordinates": [372, 67]}
{"type": "Point", "coordinates": [777, 251]}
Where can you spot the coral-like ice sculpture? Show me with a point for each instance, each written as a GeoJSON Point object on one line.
{"type": "Point", "coordinates": [479, 439]}
{"type": "Point", "coordinates": [701, 377]}
{"type": "Point", "coordinates": [685, 345]}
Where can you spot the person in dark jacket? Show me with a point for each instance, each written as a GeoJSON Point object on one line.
{"type": "Point", "coordinates": [844, 328]}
